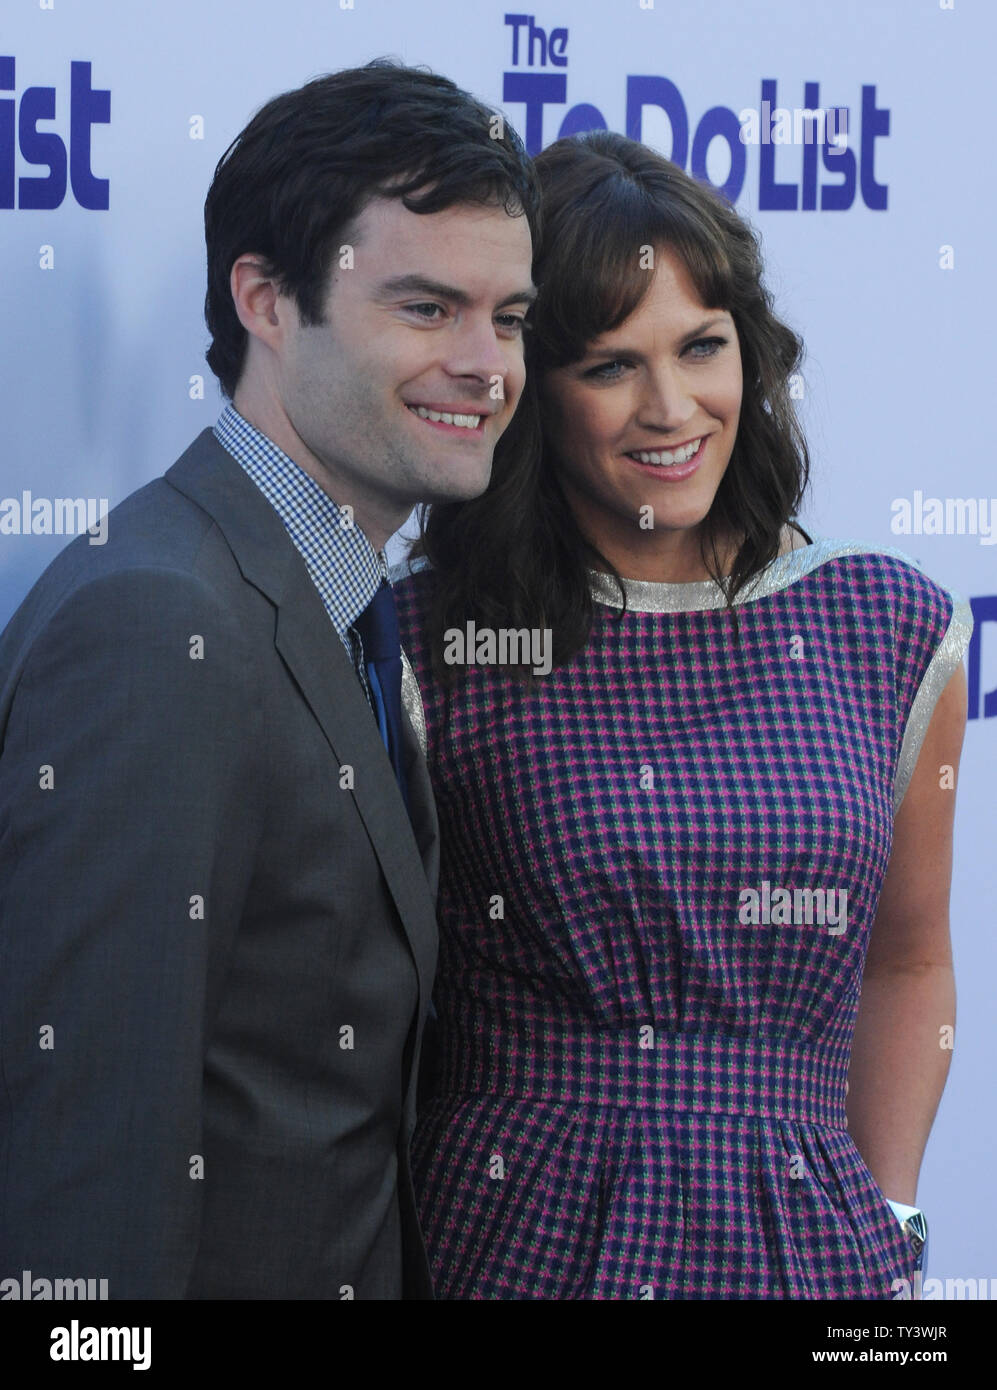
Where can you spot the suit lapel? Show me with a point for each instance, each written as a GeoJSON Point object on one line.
{"type": "Point", "coordinates": [314, 655]}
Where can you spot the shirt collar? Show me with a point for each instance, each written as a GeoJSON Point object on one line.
{"type": "Point", "coordinates": [343, 565]}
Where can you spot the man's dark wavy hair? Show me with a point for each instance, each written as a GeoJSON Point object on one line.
{"type": "Point", "coordinates": [515, 556]}
{"type": "Point", "coordinates": [291, 184]}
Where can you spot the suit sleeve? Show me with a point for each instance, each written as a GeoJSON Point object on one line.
{"type": "Point", "coordinates": [127, 820]}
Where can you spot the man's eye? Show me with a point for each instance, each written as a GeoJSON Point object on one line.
{"type": "Point", "coordinates": [514, 321]}
{"type": "Point", "coordinates": [418, 308]}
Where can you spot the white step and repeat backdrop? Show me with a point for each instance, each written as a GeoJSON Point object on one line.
{"type": "Point", "coordinates": [113, 114]}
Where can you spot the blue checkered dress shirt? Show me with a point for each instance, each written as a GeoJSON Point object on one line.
{"type": "Point", "coordinates": [344, 567]}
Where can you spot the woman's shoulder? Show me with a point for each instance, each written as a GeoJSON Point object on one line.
{"type": "Point", "coordinates": [861, 554]}
{"type": "Point", "coordinates": [892, 572]}
{"type": "Point", "coordinates": [928, 624]}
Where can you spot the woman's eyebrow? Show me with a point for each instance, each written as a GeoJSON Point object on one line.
{"type": "Point", "coordinates": [686, 338]}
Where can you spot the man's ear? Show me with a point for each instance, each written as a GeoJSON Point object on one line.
{"type": "Point", "coordinates": [258, 302]}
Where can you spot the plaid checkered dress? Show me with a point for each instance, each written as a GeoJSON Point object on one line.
{"type": "Point", "coordinates": [643, 1067]}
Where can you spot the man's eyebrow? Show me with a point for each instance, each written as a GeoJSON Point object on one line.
{"type": "Point", "coordinates": [420, 284]}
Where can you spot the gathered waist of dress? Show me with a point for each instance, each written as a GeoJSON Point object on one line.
{"type": "Point", "coordinates": [643, 1066]}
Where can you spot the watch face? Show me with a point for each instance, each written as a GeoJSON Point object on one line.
{"type": "Point", "coordinates": [916, 1227]}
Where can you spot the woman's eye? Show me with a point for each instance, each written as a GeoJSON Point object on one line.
{"type": "Point", "coordinates": [711, 346]}
{"type": "Point", "coordinates": [699, 350]}
{"type": "Point", "coordinates": [606, 372]}
{"type": "Point", "coordinates": [514, 321]}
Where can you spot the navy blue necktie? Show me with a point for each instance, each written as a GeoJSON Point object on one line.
{"type": "Point", "coordinates": [382, 649]}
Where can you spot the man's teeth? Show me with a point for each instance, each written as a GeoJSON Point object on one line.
{"type": "Point", "coordinates": [682, 455]}
{"type": "Point", "coordinates": [470, 422]}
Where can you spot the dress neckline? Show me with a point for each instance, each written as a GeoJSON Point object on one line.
{"type": "Point", "coordinates": [660, 596]}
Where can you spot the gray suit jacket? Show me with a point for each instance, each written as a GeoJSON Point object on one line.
{"type": "Point", "coordinates": [217, 933]}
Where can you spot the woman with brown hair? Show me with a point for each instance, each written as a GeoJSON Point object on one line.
{"type": "Point", "coordinates": [677, 856]}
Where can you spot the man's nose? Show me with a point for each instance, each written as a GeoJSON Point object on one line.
{"type": "Point", "coordinates": [476, 350]}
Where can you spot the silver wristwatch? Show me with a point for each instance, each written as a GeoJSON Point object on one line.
{"type": "Point", "coordinates": [914, 1225]}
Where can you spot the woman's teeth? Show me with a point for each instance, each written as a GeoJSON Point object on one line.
{"type": "Point", "coordinates": [470, 422]}
{"type": "Point", "coordinates": [665, 458]}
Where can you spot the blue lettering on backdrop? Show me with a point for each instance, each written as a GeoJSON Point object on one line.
{"type": "Point", "coordinates": [88, 106]}
{"type": "Point", "coordinates": [533, 46]}
{"type": "Point", "coordinates": [984, 611]}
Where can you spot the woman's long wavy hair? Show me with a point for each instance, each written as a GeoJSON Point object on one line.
{"type": "Point", "coordinates": [515, 557]}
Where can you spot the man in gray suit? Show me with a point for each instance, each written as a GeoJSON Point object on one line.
{"type": "Point", "coordinates": [217, 836]}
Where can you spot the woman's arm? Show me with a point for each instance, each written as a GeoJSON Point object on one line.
{"type": "Point", "coordinates": [901, 1053]}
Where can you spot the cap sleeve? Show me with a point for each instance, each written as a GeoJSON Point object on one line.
{"type": "Point", "coordinates": [933, 628]}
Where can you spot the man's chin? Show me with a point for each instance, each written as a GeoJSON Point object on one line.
{"type": "Point", "coordinates": [460, 488]}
